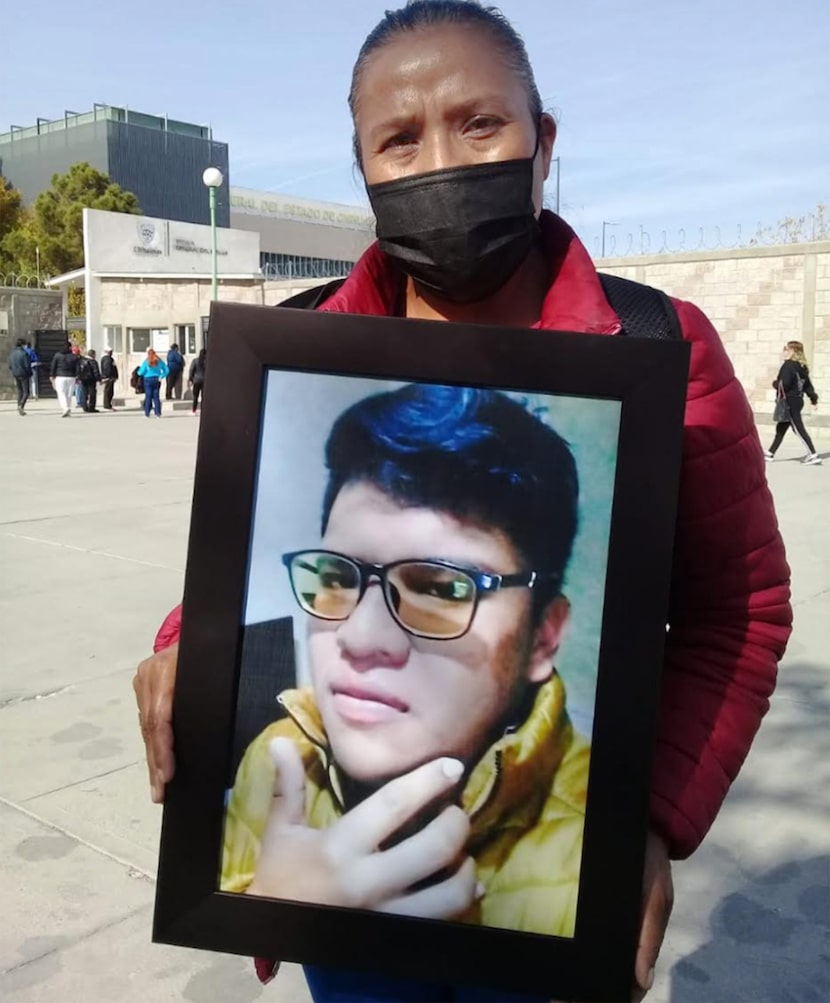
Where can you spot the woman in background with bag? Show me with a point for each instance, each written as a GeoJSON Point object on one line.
{"type": "Point", "coordinates": [792, 383]}
{"type": "Point", "coordinates": [152, 370]}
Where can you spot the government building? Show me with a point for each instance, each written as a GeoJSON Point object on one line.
{"type": "Point", "coordinates": [147, 278]}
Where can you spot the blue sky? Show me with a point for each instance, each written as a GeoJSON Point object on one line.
{"type": "Point", "coordinates": [671, 116]}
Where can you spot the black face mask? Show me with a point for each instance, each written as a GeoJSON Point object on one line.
{"type": "Point", "coordinates": [463, 231]}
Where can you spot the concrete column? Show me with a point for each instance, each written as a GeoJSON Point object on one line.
{"type": "Point", "coordinates": [808, 309]}
{"type": "Point", "coordinates": [92, 295]}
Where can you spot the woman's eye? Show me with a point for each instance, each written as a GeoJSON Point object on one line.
{"type": "Point", "coordinates": [482, 124]}
{"type": "Point", "coordinates": [403, 139]}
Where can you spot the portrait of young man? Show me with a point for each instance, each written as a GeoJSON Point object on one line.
{"type": "Point", "coordinates": [427, 762]}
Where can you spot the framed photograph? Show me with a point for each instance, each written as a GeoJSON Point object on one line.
{"type": "Point", "coordinates": [424, 615]}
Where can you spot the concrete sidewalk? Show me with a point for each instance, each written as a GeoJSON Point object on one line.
{"type": "Point", "coordinates": [94, 516]}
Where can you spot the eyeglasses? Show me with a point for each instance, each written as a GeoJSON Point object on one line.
{"type": "Point", "coordinates": [432, 599]}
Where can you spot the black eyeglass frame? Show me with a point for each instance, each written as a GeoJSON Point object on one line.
{"type": "Point", "coordinates": [485, 583]}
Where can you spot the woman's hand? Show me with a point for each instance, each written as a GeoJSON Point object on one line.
{"type": "Point", "coordinates": [153, 684]}
{"type": "Point", "coordinates": [344, 865]}
{"type": "Point", "coordinates": [658, 899]}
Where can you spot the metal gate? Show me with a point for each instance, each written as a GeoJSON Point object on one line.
{"type": "Point", "coordinates": [47, 344]}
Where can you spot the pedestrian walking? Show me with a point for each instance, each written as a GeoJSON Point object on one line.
{"type": "Point", "coordinates": [109, 375]}
{"type": "Point", "coordinates": [175, 365]}
{"type": "Point", "coordinates": [152, 370]}
{"type": "Point", "coordinates": [90, 376]}
{"type": "Point", "coordinates": [63, 374]}
{"type": "Point", "coordinates": [34, 359]}
{"type": "Point", "coordinates": [793, 383]}
{"type": "Point", "coordinates": [196, 377]}
{"type": "Point", "coordinates": [21, 368]}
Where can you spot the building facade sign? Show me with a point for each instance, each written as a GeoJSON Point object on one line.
{"type": "Point", "coordinates": [125, 244]}
{"type": "Point", "coordinates": [271, 205]}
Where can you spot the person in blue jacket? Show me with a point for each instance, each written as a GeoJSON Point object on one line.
{"type": "Point", "coordinates": [34, 360]}
{"type": "Point", "coordinates": [152, 370]}
{"type": "Point", "coordinates": [175, 365]}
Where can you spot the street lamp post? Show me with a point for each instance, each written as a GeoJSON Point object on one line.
{"type": "Point", "coordinates": [605, 223]}
{"type": "Point", "coordinates": [213, 179]}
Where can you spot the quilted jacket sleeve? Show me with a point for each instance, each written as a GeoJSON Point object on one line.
{"type": "Point", "coordinates": [168, 632]}
{"type": "Point", "coordinates": [730, 615]}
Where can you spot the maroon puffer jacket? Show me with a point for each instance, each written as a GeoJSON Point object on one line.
{"type": "Point", "coordinates": [730, 614]}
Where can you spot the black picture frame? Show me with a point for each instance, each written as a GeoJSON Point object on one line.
{"type": "Point", "coordinates": [649, 379]}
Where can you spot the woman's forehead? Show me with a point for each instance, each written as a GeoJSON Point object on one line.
{"type": "Point", "coordinates": [448, 62]}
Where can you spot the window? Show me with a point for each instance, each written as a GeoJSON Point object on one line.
{"type": "Point", "coordinates": [139, 339]}
{"type": "Point", "coordinates": [186, 338]}
{"type": "Point", "coordinates": [114, 337]}
{"type": "Point", "coordinates": [298, 266]}
{"type": "Point", "coordinates": [160, 338]}
{"type": "Point", "coordinates": [205, 322]}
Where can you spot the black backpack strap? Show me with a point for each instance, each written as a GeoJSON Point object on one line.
{"type": "Point", "coordinates": [644, 312]}
{"type": "Point", "coordinates": [310, 299]}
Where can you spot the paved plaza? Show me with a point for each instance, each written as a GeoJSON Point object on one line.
{"type": "Point", "coordinates": [94, 515]}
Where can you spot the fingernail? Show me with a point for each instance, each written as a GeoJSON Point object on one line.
{"type": "Point", "coordinates": [480, 890]}
{"type": "Point", "coordinates": [650, 978]}
{"type": "Point", "coordinates": [452, 768]}
{"type": "Point", "coordinates": [155, 794]}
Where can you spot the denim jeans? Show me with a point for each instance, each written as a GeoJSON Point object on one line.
{"type": "Point", "coordinates": [152, 385]}
{"type": "Point", "coordinates": [91, 395]}
{"type": "Point", "coordinates": [335, 985]}
{"type": "Point", "coordinates": [22, 390]}
{"type": "Point", "coordinates": [197, 389]}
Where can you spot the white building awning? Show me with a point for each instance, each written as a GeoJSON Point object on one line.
{"type": "Point", "coordinates": [78, 277]}
{"type": "Point", "coordinates": [180, 276]}
{"type": "Point", "coordinates": [68, 280]}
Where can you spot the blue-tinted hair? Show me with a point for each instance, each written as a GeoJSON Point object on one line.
{"type": "Point", "coordinates": [478, 455]}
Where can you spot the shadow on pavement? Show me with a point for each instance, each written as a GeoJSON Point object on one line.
{"type": "Point", "coordinates": [769, 938]}
{"type": "Point", "coordinates": [769, 942]}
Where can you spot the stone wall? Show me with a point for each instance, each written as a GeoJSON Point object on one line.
{"type": "Point", "coordinates": [758, 298]}
{"type": "Point", "coordinates": [22, 312]}
{"type": "Point", "coordinates": [165, 303]}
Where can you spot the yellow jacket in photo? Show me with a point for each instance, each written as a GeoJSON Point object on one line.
{"type": "Point", "coordinates": [525, 799]}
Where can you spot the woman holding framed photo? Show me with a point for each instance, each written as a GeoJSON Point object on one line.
{"type": "Point", "coordinates": [455, 147]}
